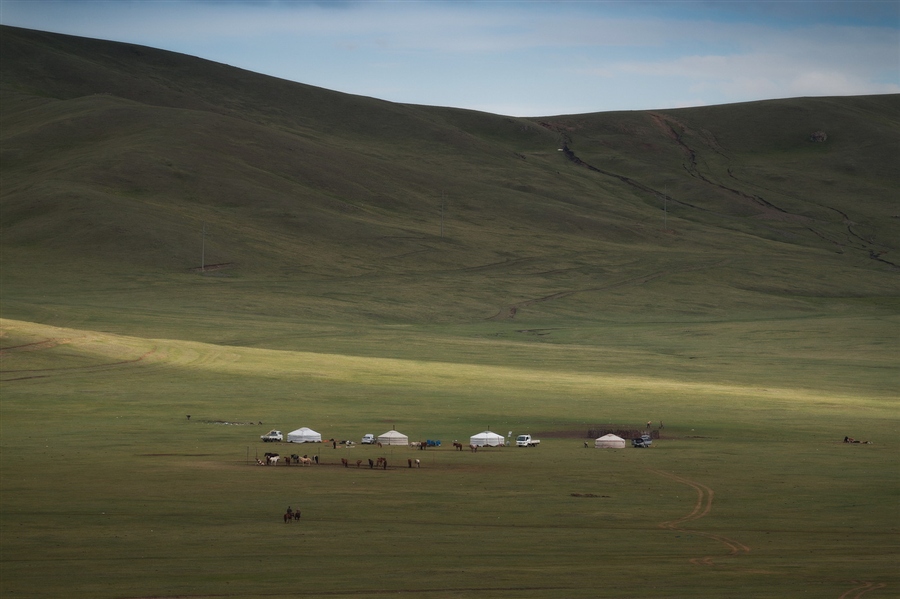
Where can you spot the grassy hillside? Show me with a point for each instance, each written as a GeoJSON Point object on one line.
{"type": "Point", "coordinates": [117, 156]}
{"type": "Point", "coordinates": [370, 265]}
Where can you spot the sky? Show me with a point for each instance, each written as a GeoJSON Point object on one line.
{"type": "Point", "coordinates": [517, 58]}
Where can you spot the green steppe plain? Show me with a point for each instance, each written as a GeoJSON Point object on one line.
{"type": "Point", "coordinates": [109, 490]}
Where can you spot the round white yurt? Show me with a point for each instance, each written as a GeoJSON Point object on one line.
{"type": "Point", "coordinates": [487, 438]}
{"type": "Point", "coordinates": [392, 437]}
{"type": "Point", "coordinates": [304, 435]}
{"type": "Point", "coordinates": [610, 442]}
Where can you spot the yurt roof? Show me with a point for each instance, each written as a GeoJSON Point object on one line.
{"type": "Point", "coordinates": [610, 437]}
{"type": "Point", "coordinates": [304, 430]}
{"type": "Point", "coordinates": [393, 434]}
{"type": "Point", "coordinates": [488, 435]}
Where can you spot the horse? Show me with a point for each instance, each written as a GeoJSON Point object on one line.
{"type": "Point", "coordinates": [380, 461]}
{"type": "Point", "coordinates": [418, 464]}
{"type": "Point", "coordinates": [272, 460]}
{"type": "Point", "coordinates": [288, 517]}
{"type": "Point", "coordinates": [297, 515]}
{"type": "Point", "coordinates": [344, 462]}
{"type": "Point", "coordinates": [458, 446]}
{"type": "Point", "coordinates": [371, 463]}
{"type": "Point", "coordinates": [473, 448]}
{"type": "Point", "coordinates": [305, 461]}
{"type": "Point", "coordinates": [358, 462]}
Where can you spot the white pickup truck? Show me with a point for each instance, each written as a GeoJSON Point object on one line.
{"type": "Point", "coordinates": [526, 441]}
{"type": "Point", "coordinates": [272, 436]}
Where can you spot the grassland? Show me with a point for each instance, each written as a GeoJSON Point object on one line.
{"type": "Point", "coordinates": [709, 268]}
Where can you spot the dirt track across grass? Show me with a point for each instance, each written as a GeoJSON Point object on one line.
{"type": "Point", "coordinates": [702, 508]}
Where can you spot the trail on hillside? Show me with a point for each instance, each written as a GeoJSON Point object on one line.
{"type": "Point", "coordinates": [858, 591]}
{"type": "Point", "coordinates": [675, 131]}
{"type": "Point", "coordinates": [510, 311]}
{"type": "Point", "coordinates": [702, 508]}
{"type": "Point", "coordinates": [34, 346]}
{"type": "Point", "coordinates": [36, 373]}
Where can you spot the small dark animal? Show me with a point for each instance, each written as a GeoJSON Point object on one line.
{"type": "Point", "coordinates": [297, 515]}
{"type": "Point", "coordinates": [288, 517]}
{"type": "Point", "coordinates": [344, 462]}
{"type": "Point", "coordinates": [458, 446]}
{"type": "Point", "coordinates": [371, 463]}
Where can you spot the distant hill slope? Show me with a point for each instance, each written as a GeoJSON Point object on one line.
{"type": "Point", "coordinates": [122, 159]}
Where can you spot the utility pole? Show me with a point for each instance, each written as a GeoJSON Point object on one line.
{"type": "Point", "coordinates": [665, 208]}
{"type": "Point", "coordinates": [203, 250]}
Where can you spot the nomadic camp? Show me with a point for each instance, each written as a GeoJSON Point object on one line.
{"type": "Point", "coordinates": [610, 442]}
{"type": "Point", "coordinates": [392, 437]}
{"type": "Point", "coordinates": [487, 438]}
{"type": "Point", "coordinates": [304, 435]}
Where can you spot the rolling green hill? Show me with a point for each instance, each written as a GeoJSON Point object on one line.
{"type": "Point", "coordinates": [115, 157]}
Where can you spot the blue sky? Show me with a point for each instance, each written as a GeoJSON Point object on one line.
{"type": "Point", "coordinates": [521, 58]}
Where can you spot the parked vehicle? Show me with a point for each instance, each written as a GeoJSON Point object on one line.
{"type": "Point", "coordinates": [526, 441]}
{"type": "Point", "coordinates": [368, 439]}
{"type": "Point", "coordinates": [642, 441]}
{"type": "Point", "coordinates": [271, 436]}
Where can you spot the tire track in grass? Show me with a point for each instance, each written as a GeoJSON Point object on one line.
{"type": "Point", "coordinates": [702, 508]}
{"type": "Point", "coordinates": [859, 591]}
{"type": "Point", "coordinates": [68, 369]}
{"type": "Point", "coordinates": [35, 346]}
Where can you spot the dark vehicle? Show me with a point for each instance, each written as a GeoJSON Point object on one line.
{"type": "Point", "coordinates": [642, 441]}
